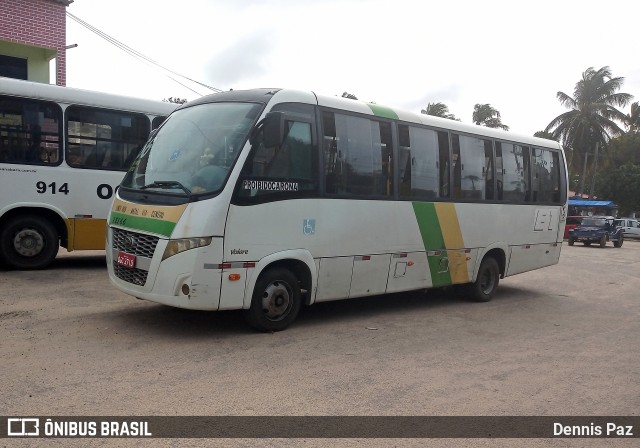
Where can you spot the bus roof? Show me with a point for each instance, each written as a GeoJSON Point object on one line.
{"type": "Point", "coordinates": [289, 95]}
{"type": "Point", "coordinates": [70, 95]}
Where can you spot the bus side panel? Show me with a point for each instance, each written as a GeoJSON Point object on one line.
{"type": "Point", "coordinates": [371, 247]}
{"type": "Point", "coordinates": [84, 195]}
{"type": "Point", "coordinates": [334, 278]}
{"type": "Point", "coordinates": [370, 275]}
{"type": "Point", "coordinates": [352, 241]}
{"type": "Point", "coordinates": [408, 272]}
{"type": "Point", "coordinates": [528, 257]}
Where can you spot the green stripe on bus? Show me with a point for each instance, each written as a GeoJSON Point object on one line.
{"type": "Point", "coordinates": [382, 111]}
{"type": "Point", "coordinates": [432, 238]}
{"type": "Point", "coordinates": [140, 223]}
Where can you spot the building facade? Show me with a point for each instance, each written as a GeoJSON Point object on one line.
{"type": "Point", "coordinates": [32, 34]}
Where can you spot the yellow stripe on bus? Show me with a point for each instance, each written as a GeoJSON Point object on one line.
{"type": "Point", "coordinates": [449, 225]}
{"type": "Point", "coordinates": [452, 236]}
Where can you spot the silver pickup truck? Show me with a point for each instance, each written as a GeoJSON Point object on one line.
{"type": "Point", "coordinates": [630, 227]}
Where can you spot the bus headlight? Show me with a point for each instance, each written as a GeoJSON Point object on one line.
{"type": "Point", "coordinates": [176, 246]}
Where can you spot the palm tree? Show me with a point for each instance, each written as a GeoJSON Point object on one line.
{"type": "Point", "coordinates": [633, 119]}
{"type": "Point", "coordinates": [544, 134]}
{"type": "Point", "coordinates": [592, 118]}
{"type": "Point", "coordinates": [486, 115]}
{"type": "Point", "coordinates": [439, 110]}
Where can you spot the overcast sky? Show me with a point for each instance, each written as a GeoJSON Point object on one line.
{"type": "Point", "coordinates": [400, 53]}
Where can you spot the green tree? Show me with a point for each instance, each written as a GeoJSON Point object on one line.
{"type": "Point", "coordinates": [622, 185]}
{"type": "Point", "coordinates": [591, 120]}
{"type": "Point", "coordinates": [633, 119]}
{"type": "Point", "coordinates": [486, 115]}
{"type": "Point", "coordinates": [175, 100]}
{"type": "Point", "coordinates": [439, 110]}
{"type": "Point", "coordinates": [624, 149]}
{"type": "Point", "coordinates": [544, 134]}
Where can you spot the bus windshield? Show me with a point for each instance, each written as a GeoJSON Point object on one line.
{"type": "Point", "coordinates": [194, 150]}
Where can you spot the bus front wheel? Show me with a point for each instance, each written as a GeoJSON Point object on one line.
{"type": "Point", "coordinates": [276, 301]}
{"type": "Point", "coordinates": [483, 289]}
{"type": "Point", "coordinates": [28, 242]}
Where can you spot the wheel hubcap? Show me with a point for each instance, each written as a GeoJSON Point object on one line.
{"type": "Point", "coordinates": [28, 243]}
{"type": "Point", "coordinates": [487, 282]}
{"type": "Point", "coordinates": [276, 300]}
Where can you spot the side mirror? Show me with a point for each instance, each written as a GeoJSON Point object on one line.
{"type": "Point", "coordinates": [273, 129]}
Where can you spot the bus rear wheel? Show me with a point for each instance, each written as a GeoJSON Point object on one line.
{"type": "Point", "coordinates": [276, 301]}
{"type": "Point", "coordinates": [28, 242]}
{"type": "Point", "coordinates": [483, 289]}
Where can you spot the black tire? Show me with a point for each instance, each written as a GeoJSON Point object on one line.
{"type": "Point", "coordinates": [603, 240]}
{"type": "Point", "coordinates": [571, 241]}
{"type": "Point", "coordinates": [619, 242]}
{"type": "Point", "coordinates": [276, 301]}
{"type": "Point", "coordinates": [28, 242]}
{"type": "Point", "coordinates": [587, 243]}
{"type": "Point", "coordinates": [486, 284]}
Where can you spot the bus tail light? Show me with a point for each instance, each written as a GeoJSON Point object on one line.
{"type": "Point", "coordinates": [176, 246]}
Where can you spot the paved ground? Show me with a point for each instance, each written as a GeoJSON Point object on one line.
{"type": "Point", "coordinates": [558, 341]}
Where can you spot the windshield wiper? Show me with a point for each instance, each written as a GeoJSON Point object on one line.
{"type": "Point", "coordinates": [167, 184]}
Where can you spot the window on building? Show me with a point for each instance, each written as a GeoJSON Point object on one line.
{"type": "Point", "coordinates": [12, 67]}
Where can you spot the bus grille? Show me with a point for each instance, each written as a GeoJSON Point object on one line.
{"type": "Point", "coordinates": [137, 244]}
{"type": "Point", "coordinates": [135, 275]}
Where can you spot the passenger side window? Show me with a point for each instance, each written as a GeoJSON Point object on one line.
{"type": "Point", "coordinates": [546, 176]}
{"type": "Point", "coordinates": [470, 165]}
{"type": "Point", "coordinates": [102, 139]}
{"type": "Point", "coordinates": [30, 132]}
{"type": "Point", "coordinates": [358, 155]}
{"type": "Point", "coordinates": [157, 121]}
{"type": "Point", "coordinates": [515, 172]}
{"type": "Point", "coordinates": [418, 162]}
{"type": "Point", "coordinates": [287, 170]}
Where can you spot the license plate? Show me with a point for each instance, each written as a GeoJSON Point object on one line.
{"type": "Point", "coordinates": [126, 260]}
